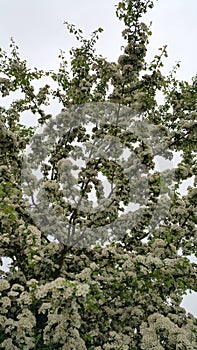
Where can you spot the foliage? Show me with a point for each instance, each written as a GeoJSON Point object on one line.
{"type": "Point", "coordinates": [88, 287]}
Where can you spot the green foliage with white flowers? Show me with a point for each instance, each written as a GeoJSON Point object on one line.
{"type": "Point", "coordinates": [68, 293]}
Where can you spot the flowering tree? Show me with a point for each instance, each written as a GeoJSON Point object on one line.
{"type": "Point", "coordinates": [107, 272]}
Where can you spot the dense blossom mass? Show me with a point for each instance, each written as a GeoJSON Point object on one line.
{"type": "Point", "coordinates": [96, 266]}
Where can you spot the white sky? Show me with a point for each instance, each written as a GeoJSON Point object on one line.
{"type": "Point", "coordinates": [37, 28]}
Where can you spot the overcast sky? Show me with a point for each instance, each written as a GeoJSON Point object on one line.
{"type": "Point", "coordinates": [37, 28]}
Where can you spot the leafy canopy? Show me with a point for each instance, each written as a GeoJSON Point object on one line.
{"type": "Point", "coordinates": [109, 272]}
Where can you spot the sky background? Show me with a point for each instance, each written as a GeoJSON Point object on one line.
{"type": "Point", "coordinates": [37, 28]}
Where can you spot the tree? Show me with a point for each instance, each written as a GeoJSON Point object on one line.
{"type": "Point", "coordinates": [105, 276]}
